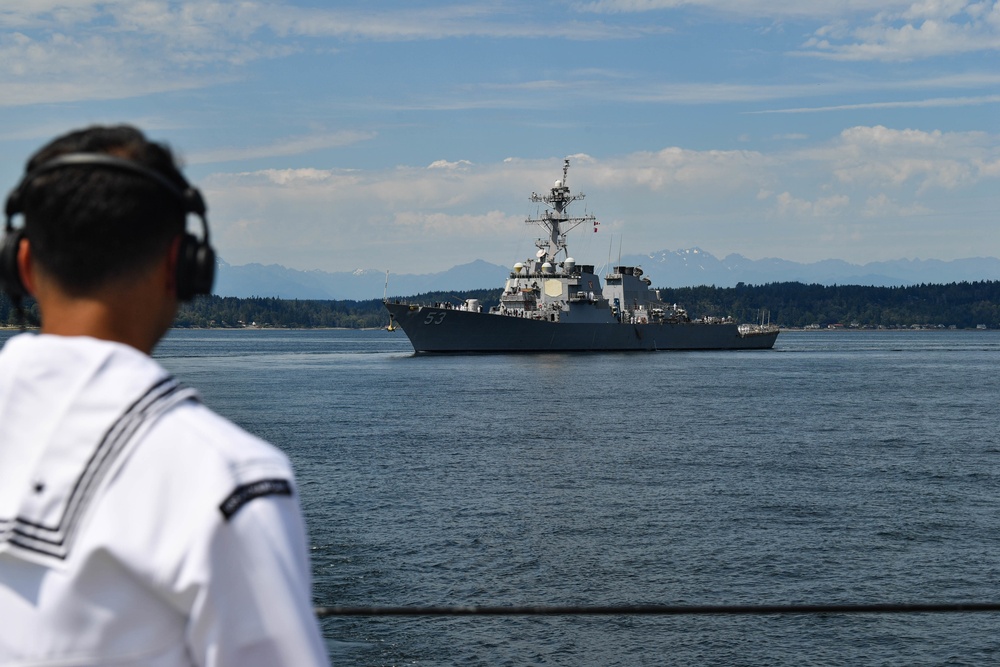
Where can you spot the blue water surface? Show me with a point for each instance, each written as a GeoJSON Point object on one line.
{"type": "Point", "coordinates": [839, 467]}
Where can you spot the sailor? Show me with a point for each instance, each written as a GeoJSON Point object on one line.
{"type": "Point", "coordinates": [137, 527]}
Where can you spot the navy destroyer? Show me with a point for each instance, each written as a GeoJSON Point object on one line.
{"type": "Point", "coordinates": [552, 304]}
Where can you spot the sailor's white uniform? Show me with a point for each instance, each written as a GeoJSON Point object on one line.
{"type": "Point", "coordinates": [137, 527]}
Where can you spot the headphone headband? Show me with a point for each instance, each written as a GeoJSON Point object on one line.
{"type": "Point", "coordinates": [190, 198]}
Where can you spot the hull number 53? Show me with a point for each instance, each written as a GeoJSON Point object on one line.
{"type": "Point", "coordinates": [435, 318]}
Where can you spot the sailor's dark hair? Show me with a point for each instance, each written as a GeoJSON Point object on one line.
{"type": "Point", "coordinates": [100, 203]}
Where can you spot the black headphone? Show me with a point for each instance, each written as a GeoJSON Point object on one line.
{"type": "Point", "coordinates": [195, 261]}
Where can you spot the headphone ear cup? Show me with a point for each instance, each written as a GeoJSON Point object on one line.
{"type": "Point", "coordinates": [10, 276]}
{"type": "Point", "coordinates": [195, 268]}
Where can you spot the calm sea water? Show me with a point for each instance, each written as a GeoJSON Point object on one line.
{"type": "Point", "coordinates": [840, 467]}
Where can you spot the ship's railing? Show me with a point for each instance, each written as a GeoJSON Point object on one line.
{"type": "Point", "coordinates": [667, 610]}
{"type": "Point", "coordinates": [656, 315]}
{"type": "Point", "coordinates": [757, 329]}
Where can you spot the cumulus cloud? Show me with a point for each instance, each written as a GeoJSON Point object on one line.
{"type": "Point", "coordinates": [678, 167]}
{"type": "Point", "coordinates": [882, 156]}
{"type": "Point", "coordinates": [323, 218]}
{"type": "Point", "coordinates": [843, 191]}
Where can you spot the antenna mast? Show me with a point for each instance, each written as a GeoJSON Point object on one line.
{"type": "Point", "coordinates": [556, 219]}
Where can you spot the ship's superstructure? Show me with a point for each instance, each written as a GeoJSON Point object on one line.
{"type": "Point", "coordinates": [551, 303]}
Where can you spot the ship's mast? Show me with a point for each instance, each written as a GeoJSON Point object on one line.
{"type": "Point", "coordinates": [556, 219]}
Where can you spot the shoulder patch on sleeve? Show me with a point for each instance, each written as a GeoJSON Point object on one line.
{"type": "Point", "coordinates": [247, 492]}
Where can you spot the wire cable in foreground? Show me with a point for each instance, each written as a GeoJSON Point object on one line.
{"type": "Point", "coordinates": [664, 610]}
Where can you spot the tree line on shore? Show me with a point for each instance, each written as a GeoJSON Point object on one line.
{"type": "Point", "coordinates": [962, 305]}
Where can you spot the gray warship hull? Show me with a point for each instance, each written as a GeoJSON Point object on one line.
{"type": "Point", "coordinates": [445, 330]}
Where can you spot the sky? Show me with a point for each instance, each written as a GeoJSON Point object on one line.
{"type": "Point", "coordinates": [408, 136]}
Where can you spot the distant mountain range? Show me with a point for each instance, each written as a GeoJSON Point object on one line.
{"type": "Point", "coordinates": [666, 268]}
{"type": "Point", "coordinates": [273, 280]}
{"type": "Point", "coordinates": [684, 268]}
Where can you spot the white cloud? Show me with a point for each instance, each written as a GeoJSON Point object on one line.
{"type": "Point", "coordinates": [677, 167]}
{"type": "Point", "coordinates": [936, 9]}
{"type": "Point", "coordinates": [75, 50]}
{"type": "Point", "coordinates": [80, 50]}
{"type": "Point", "coordinates": [217, 28]}
{"type": "Point", "coordinates": [463, 225]}
{"type": "Point", "coordinates": [987, 168]}
{"type": "Point", "coordinates": [866, 188]}
{"type": "Point", "coordinates": [444, 164]}
{"type": "Point", "coordinates": [826, 199]}
{"type": "Point", "coordinates": [53, 62]}
{"type": "Point", "coordinates": [879, 156]}
{"type": "Point", "coordinates": [441, 22]}
{"type": "Point", "coordinates": [283, 147]}
{"type": "Point", "coordinates": [884, 206]}
{"type": "Point", "coordinates": [823, 207]}
{"type": "Point", "coordinates": [789, 205]}
{"type": "Point", "coordinates": [922, 30]}
{"type": "Point", "coordinates": [859, 30]}
{"type": "Point", "coordinates": [305, 176]}
{"type": "Point", "coordinates": [630, 87]}
{"type": "Point", "coordinates": [748, 8]}
{"type": "Point", "coordinates": [938, 102]}
{"type": "Point", "coordinates": [319, 218]}
{"type": "Point", "coordinates": [16, 94]}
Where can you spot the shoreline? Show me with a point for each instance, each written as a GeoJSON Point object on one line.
{"type": "Point", "coordinates": [826, 329]}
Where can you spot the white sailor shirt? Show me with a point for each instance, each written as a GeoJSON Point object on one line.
{"type": "Point", "coordinates": [137, 527]}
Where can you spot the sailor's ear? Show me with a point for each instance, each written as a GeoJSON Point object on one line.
{"type": "Point", "coordinates": [25, 265]}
